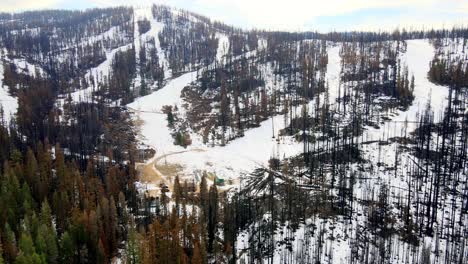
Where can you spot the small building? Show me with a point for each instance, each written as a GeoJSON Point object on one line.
{"type": "Point", "coordinates": [219, 181]}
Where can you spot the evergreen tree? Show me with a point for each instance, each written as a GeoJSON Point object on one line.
{"type": "Point", "coordinates": [133, 254]}
{"type": "Point", "coordinates": [67, 248]}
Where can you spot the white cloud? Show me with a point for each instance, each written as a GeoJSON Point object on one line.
{"type": "Point", "coordinates": [107, 3]}
{"type": "Point", "coordinates": [291, 14]}
{"type": "Point", "coordinates": [409, 22]}
{"type": "Point", "coordinates": [20, 5]}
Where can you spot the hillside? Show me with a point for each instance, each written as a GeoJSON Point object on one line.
{"type": "Point", "coordinates": [156, 135]}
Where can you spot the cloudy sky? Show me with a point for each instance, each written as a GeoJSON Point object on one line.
{"type": "Point", "coordinates": [322, 15]}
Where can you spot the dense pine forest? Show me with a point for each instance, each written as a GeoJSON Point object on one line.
{"type": "Point", "coordinates": [157, 135]}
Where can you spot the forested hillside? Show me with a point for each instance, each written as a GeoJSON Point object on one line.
{"type": "Point", "coordinates": [157, 135]}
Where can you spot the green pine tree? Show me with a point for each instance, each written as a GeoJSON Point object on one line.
{"type": "Point", "coordinates": [67, 248]}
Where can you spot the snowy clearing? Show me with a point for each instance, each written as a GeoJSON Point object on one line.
{"type": "Point", "coordinates": [8, 103]}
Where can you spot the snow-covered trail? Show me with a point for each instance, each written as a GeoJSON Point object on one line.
{"type": "Point", "coordinates": [417, 57]}
{"type": "Point", "coordinates": [24, 67]}
{"type": "Point", "coordinates": [100, 72]}
{"type": "Point", "coordinates": [8, 103]}
{"type": "Point", "coordinates": [395, 171]}
{"type": "Point", "coordinates": [333, 72]}
{"type": "Point", "coordinates": [223, 47]}
{"type": "Point", "coordinates": [155, 131]}
{"type": "Point", "coordinates": [155, 29]}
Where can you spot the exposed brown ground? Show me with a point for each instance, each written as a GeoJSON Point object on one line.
{"type": "Point", "coordinates": [159, 172]}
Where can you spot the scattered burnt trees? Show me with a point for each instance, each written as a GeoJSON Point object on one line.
{"type": "Point", "coordinates": [78, 38]}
